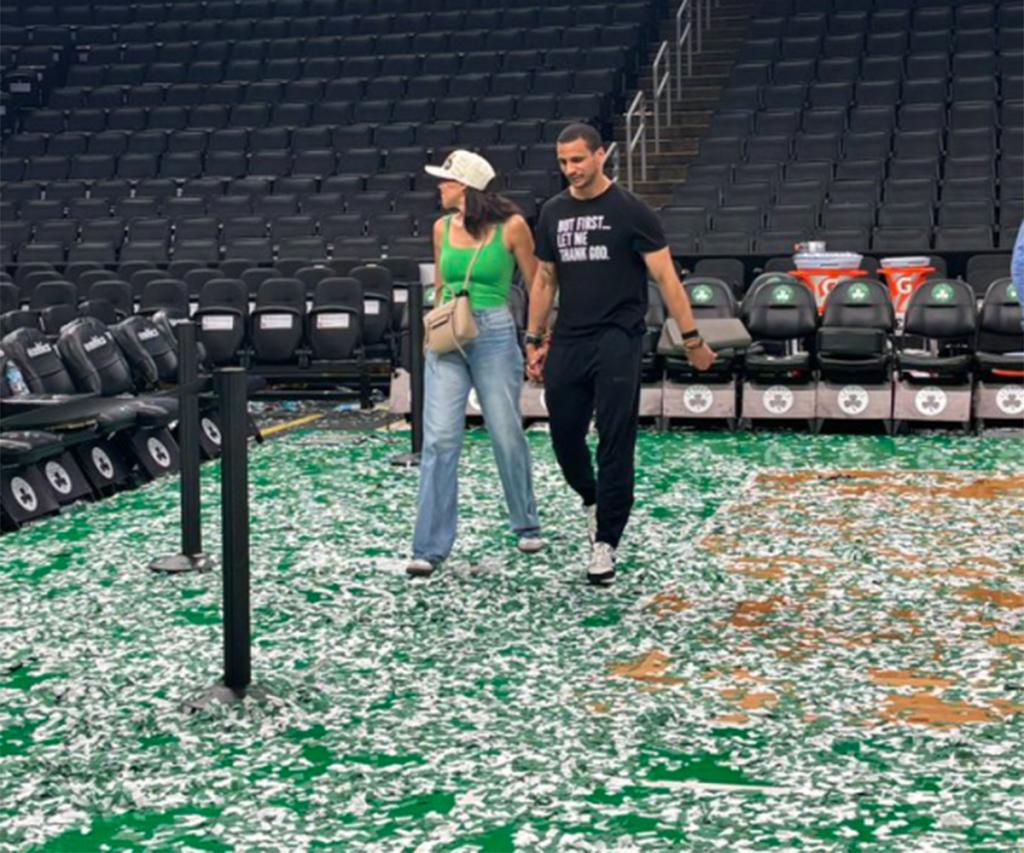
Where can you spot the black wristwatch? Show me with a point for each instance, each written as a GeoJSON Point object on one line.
{"type": "Point", "coordinates": [533, 340]}
{"type": "Point", "coordinates": [690, 335]}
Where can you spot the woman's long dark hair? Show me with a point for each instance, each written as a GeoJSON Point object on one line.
{"type": "Point", "coordinates": [484, 209]}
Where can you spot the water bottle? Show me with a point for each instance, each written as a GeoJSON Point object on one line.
{"type": "Point", "coordinates": [15, 379]}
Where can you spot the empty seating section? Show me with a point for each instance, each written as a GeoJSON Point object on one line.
{"type": "Point", "coordinates": [266, 130]}
{"type": "Point", "coordinates": [894, 127]}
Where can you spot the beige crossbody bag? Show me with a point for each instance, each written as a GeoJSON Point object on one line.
{"type": "Point", "coordinates": [451, 326]}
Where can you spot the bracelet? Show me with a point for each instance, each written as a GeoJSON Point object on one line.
{"type": "Point", "coordinates": [690, 335]}
{"type": "Point", "coordinates": [533, 340]}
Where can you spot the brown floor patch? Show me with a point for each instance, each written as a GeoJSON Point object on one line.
{"type": "Point", "coordinates": [650, 668]}
{"type": "Point", "coordinates": [906, 678]}
{"type": "Point", "coordinates": [754, 614]}
{"type": "Point", "coordinates": [755, 701]}
{"type": "Point", "coordinates": [1005, 638]}
{"type": "Point", "coordinates": [666, 603]}
{"type": "Point", "coordinates": [731, 720]}
{"type": "Point", "coordinates": [998, 597]}
{"type": "Point", "coordinates": [929, 710]}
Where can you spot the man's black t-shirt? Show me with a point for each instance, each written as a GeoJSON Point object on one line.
{"type": "Point", "coordinates": [597, 246]}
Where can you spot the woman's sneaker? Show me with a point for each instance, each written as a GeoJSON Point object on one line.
{"type": "Point", "coordinates": [417, 568]}
{"type": "Point", "coordinates": [601, 571]}
{"type": "Point", "coordinates": [530, 544]}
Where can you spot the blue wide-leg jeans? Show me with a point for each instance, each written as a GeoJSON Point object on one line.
{"type": "Point", "coordinates": [493, 365]}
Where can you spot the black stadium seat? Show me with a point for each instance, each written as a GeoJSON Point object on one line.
{"type": "Point", "coordinates": [222, 316]}
{"type": "Point", "coordinates": [278, 322]}
{"type": "Point", "coordinates": [335, 318]}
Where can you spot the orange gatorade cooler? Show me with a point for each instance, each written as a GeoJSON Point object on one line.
{"type": "Point", "coordinates": [822, 271]}
{"type": "Point", "coordinates": [905, 275]}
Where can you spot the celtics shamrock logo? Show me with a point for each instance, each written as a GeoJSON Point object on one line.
{"type": "Point", "coordinates": [703, 293]}
{"type": "Point", "coordinates": [859, 292]}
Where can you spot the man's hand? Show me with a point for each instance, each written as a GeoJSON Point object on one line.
{"type": "Point", "coordinates": [536, 357]}
{"type": "Point", "coordinates": [701, 356]}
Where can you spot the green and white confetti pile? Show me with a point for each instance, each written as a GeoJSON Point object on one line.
{"type": "Point", "coordinates": [815, 643]}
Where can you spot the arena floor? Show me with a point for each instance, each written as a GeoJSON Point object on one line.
{"type": "Point", "coordinates": [815, 643]}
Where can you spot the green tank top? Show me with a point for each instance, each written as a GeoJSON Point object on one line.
{"type": "Point", "coordinates": [491, 277]}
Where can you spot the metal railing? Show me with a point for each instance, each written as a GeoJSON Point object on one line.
{"type": "Point", "coordinates": [636, 137]}
{"type": "Point", "coordinates": [661, 81]}
{"type": "Point", "coordinates": [703, 15]}
{"type": "Point", "coordinates": [684, 38]}
{"type": "Point", "coordinates": [614, 156]}
{"type": "Point", "coordinates": [691, 19]}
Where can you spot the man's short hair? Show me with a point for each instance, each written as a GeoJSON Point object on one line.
{"type": "Point", "coordinates": [578, 130]}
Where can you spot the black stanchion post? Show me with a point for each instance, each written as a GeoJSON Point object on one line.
{"type": "Point", "coordinates": [416, 365]}
{"type": "Point", "coordinates": [235, 511]}
{"type": "Point", "coordinates": [231, 389]}
{"type": "Point", "coordinates": [191, 558]}
{"type": "Point", "coordinates": [416, 360]}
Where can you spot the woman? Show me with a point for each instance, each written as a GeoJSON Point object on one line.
{"type": "Point", "coordinates": [492, 363]}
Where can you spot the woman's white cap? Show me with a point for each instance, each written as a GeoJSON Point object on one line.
{"type": "Point", "coordinates": [466, 168]}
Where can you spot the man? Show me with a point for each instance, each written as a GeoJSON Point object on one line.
{"type": "Point", "coordinates": [597, 244]}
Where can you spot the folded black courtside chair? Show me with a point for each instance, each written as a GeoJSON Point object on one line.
{"type": "Point", "coordinates": [935, 355]}
{"type": "Point", "coordinates": [855, 353]}
{"type": "Point", "coordinates": [999, 393]}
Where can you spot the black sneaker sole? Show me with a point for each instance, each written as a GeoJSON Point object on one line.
{"type": "Point", "coordinates": [604, 579]}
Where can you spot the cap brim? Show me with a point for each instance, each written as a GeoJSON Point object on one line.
{"type": "Point", "coordinates": [438, 172]}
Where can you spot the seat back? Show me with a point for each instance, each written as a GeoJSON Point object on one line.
{"type": "Point", "coordinates": [942, 309]}
{"type": "Point", "coordinates": [278, 321]}
{"type": "Point", "coordinates": [165, 294]}
{"type": "Point", "coordinates": [781, 312]}
{"type": "Point", "coordinates": [336, 318]}
{"type": "Point", "coordinates": [41, 365]}
{"type": "Point", "coordinates": [999, 325]}
{"type": "Point", "coordinates": [101, 309]}
{"type": "Point", "coordinates": [117, 293]}
{"type": "Point", "coordinates": [862, 303]}
{"type": "Point", "coordinates": [153, 357]}
{"type": "Point", "coordinates": [763, 280]}
{"type": "Point", "coordinates": [55, 292]}
{"type": "Point", "coordinates": [55, 317]}
{"type": "Point", "coordinates": [982, 270]}
{"type": "Point", "coordinates": [710, 297]}
{"type": "Point", "coordinates": [378, 299]}
{"type": "Point", "coordinates": [94, 359]}
{"type": "Point", "coordinates": [223, 317]}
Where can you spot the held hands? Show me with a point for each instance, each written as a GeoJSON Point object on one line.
{"type": "Point", "coordinates": [700, 356]}
{"type": "Point", "coordinates": [536, 356]}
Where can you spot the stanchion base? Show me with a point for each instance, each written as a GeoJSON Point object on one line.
{"type": "Point", "coordinates": [220, 694]}
{"type": "Point", "coordinates": [407, 460]}
{"type": "Point", "coordinates": [179, 563]}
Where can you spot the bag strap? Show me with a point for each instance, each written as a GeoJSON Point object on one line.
{"type": "Point", "coordinates": [469, 269]}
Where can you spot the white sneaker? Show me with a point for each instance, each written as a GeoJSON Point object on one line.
{"type": "Point", "coordinates": [418, 568]}
{"type": "Point", "coordinates": [601, 571]}
{"type": "Point", "coordinates": [591, 513]}
{"type": "Point", "coordinates": [530, 544]}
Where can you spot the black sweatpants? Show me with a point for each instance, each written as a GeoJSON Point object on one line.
{"type": "Point", "coordinates": [602, 372]}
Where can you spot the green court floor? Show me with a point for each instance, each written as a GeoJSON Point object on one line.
{"type": "Point", "coordinates": [815, 643]}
